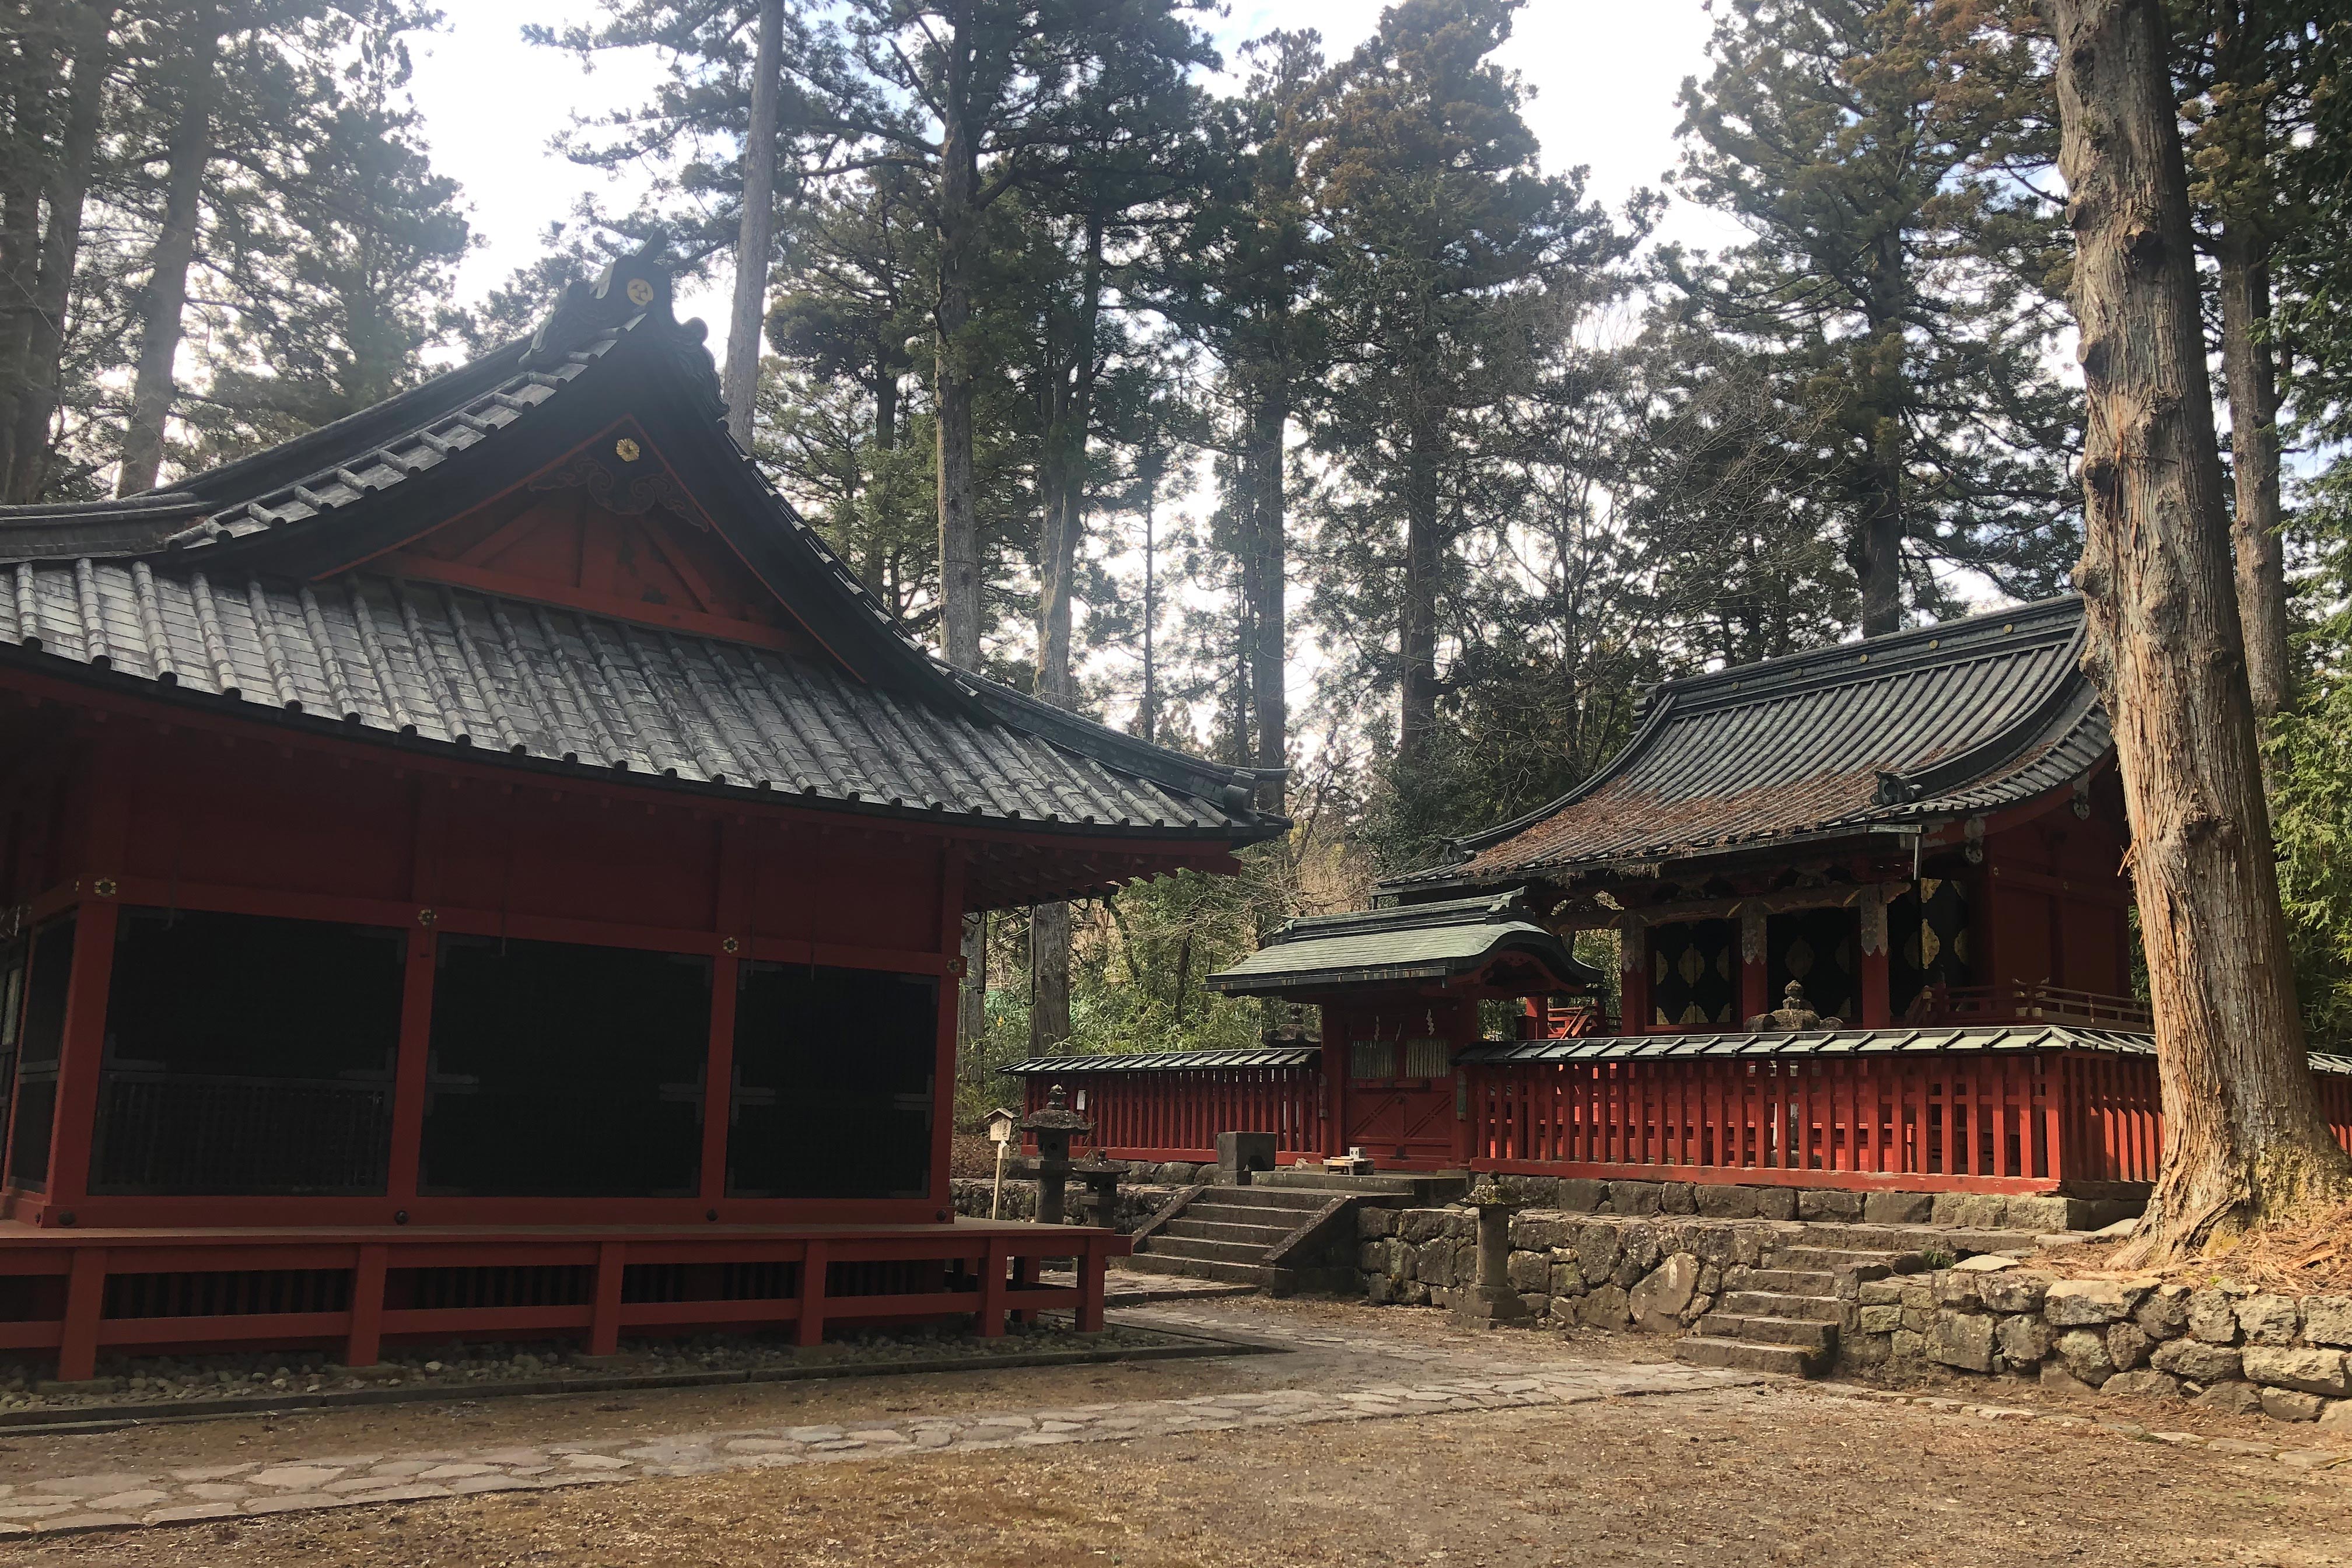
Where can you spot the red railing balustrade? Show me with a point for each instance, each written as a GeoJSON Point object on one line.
{"type": "Point", "coordinates": [2010, 1002]}
{"type": "Point", "coordinates": [1176, 1113]}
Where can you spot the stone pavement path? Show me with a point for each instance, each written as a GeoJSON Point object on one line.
{"type": "Point", "coordinates": [1358, 1377]}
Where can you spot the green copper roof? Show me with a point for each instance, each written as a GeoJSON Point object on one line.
{"type": "Point", "coordinates": [1395, 946]}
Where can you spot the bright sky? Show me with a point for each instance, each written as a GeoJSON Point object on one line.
{"type": "Point", "coordinates": [1605, 73]}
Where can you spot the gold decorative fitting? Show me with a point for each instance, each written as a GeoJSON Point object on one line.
{"type": "Point", "coordinates": [103, 887]}
{"type": "Point", "coordinates": [731, 945]}
{"type": "Point", "coordinates": [426, 917]}
{"type": "Point", "coordinates": [640, 292]}
{"type": "Point", "coordinates": [957, 967]}
{"type": "Point", "coordinates": [628, 451]}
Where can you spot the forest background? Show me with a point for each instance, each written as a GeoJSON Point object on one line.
{"type": "Point", "coordinates": [1295, 410]}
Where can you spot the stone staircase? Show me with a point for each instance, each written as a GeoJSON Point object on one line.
{"type": "Point", "coordinates": [1289, 1230]}
{"type": "Point", "coordinates": [1787, 1317]}
{"type": "Point", "coordinates": [1224, 1233]}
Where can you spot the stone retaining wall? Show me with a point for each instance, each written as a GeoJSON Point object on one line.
{"type": "Point", "coordinates": [1135, 1205]}
{"type": "Point", "coordinates": [2223, 1346]}
{"type": "Point", "coordinates": [1659, 1274]}
{"type": "Point", "coordinates": [1975, 1211]}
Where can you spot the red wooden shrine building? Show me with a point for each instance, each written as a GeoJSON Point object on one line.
{"type": "Point", "coordinates": [485, 868]}
{"type": "Point", "coordinates": [1922, 831]}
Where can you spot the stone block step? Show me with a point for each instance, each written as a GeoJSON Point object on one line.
{"type": "Point", "coordinates": [1301, 1200]}
{"type": "Point", "coordinates": [1793, 1281]}
{"type": "Point", "coordinates": [1706, 1349]}
{"type": "Point", "coordinates": [1801, 1331]}
{"type": "Point", "coordinates": [1196, 1268]}
{"type": "Point", "coordinates": [1165, 1245]}
{"type": "Point", "coordinates": [1330, 1183]}
{"type": "Point", "coordinates": [1843, 1260]}
{"type": "Point", "coordinates": [1278, 1223]}
{"type": "Point", "coordinates": [1769, 1304]}
{"type": "Point", "coordinates": [1218, 1229]}
{"type": "Point", "coordinates": [1952, 1240]}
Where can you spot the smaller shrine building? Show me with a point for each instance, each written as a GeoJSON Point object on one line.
{"type": "Point", "coordinates": [1873, 919]}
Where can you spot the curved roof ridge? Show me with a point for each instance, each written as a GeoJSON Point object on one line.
{"type": "Point", "coordinates": [1959, 716]}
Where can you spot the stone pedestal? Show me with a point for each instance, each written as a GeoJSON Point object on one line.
{"type": "Point", "coordinates": [1239, 1153]}
{"type": "Point", "coordinates": [1491, 1300]}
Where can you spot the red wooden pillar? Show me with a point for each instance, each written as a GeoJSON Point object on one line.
{"type": "Point", "coordinates": [415, 1049]}
{"type": "Point", "coordinates": [1092, 1265]}
{"type": "Point", "coordinates": [1876, 1009]}
{"type": "Point", "coordinates": [718, 1079]}
{"type": "Point", "coordinates": [413, 1060]}
{"type": "Point", "coordinates": [85, 1300]}
{"type": "Point", "coordinates": [1755, 988]}
{"type": "Point", "coordinates": [990, 1325]}
{"type": "Point", "coordinates": [810, 1329]}
{"type": "Point", "coordinates": [363, 1346]}
{"type": "Point", "coordinates": [80, 1056]}
{"type": "Point", "coordinates": [1634, 978]}
{"type": "Point", "coordinates": [954, 865]}
{"type": "Point", "coordinates": [1337, 1024]}
{"type": "Point", "coordinates": [604, 1318]}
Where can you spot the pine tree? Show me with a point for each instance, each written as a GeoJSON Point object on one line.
{"type": "Point", "coordinates": [1885, 152]}
{"type": "Point", "coordinates": [343, 262]}
{"type": "Point", "coordinates": [1449, 254]}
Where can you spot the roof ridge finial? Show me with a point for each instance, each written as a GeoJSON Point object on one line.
{"type": "Point", "coordinates": [630, 286]}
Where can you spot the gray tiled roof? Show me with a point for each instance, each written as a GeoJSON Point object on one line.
{"type": "Point", "coordinates": [1946, 720]}
{"type": "Point", "coordinates": [1834, 1043]}
{"type": "Point", "coordinates": [497, 674]}
{"type": "Point", "coordinates": [1418, 941]}
{"type": "Point", "coordinates": [245, 584]}
{"type": "Point", "coordinates": [1169, 1061]}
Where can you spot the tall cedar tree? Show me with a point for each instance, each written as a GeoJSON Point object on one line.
{"type": "Point", "coordinates": [841, 429]}
{"type": "Point", "coordinates": [1447, 248]}
{"type": "Point", "coordinates": [2245, 70]}
{"type": "Point", "coordinates": [56, 63]}
{"type": "Point", "coordinates": [1242, 284]}
{"type": "Point", "coordinates": [979, 98]}
{"type": "Point", "coordinates": [238, 164]}
{"type": "Point", "coordinates": [2245, 1142]}
{"type": "Point", "coordinates": [343, 268]}
{"type": "Point", "coordinates": [1895, 286]}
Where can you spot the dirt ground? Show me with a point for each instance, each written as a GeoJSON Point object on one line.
{"type": "Point", "coordinates": [1782, 1473]}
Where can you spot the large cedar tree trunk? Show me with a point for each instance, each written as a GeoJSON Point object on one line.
{"type": "Point", "coordinates": [190, 149]}
{"type": "Point", "coordinates": [2244, 1140]}
{"type": "Point", "coordinates": [1268, 617]}
{"type": "Point", "coordinates": [1064, 495]}
{"type": "Point", "coordinates": [24, 157]}
{"type": "Point", "coordinates": [958, 220]}
{"type": "Point", "coordinates": [757, 235]}
{"type": "Point", "coordinates": [2252, 380]}
{"type": "Point", "coordinates": [958, 225]}
{"type": "Point", "coordinates": [1417, 634]}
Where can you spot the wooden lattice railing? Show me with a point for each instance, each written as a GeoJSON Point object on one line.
{"type": "Point", "coordinates": [1176, 1113]}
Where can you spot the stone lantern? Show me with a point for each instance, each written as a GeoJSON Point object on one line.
{"type": "Point", "coordinates": [1053, 1128]}
{"type": "Point", "coordinates": [1492, 1299]}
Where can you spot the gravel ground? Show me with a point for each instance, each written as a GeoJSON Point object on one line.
{"type": "Point", "coordinates": [1777, 1473]}
{"type": "Point", "coordinates": [459, 1369]}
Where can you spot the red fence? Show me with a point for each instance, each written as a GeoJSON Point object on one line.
{"type": "Point", "coordinates": [83, 1292]}
{"type": "Point", "coordinates": [1979, 1122]}
{"type": "Point", "coordinates": [1177, 1113]}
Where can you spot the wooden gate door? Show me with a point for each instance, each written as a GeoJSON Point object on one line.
{"type": "Point", "coordinates": [1400, 1103]}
